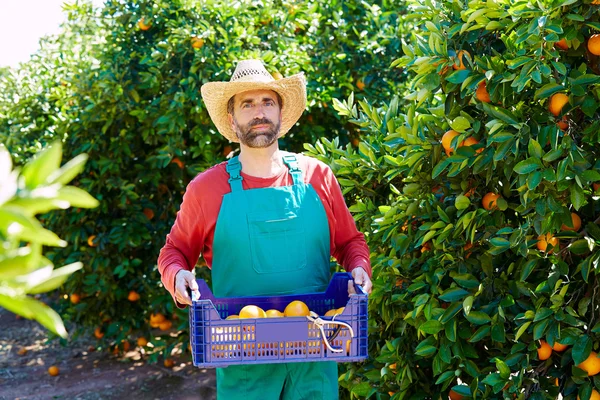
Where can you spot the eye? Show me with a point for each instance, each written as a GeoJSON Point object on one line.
{"type": "Point", "coordinates": [246, 105]}
{"type": "Point", "coordinates": [270, 103]}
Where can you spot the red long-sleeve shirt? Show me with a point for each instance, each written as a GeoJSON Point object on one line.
{"type": "Point", "coordinates": [194, 228]}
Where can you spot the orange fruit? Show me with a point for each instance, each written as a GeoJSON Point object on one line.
{"type": "Point", "coordinates": [179, 163]}
{"type": "Point", "coordinates": [142, 341]}
{"type": "Point", "coordinates": [355, 142]}
{"type": "Point", "coordinates": [561, 44]}
{"type": "Point", "coordinates": [148, 213]}
{"type": "Point", "coordinates": [596, 187]}
{"type": "Point", "coordinates": [563, 124]}
{"type": "Point", "coordinates": [470, 141]}
{"type": "Point", "coordinates": [545, 240]}
{"type": "Point", "coordinates": [75, 298]}
{"type": "Point", "coordinates": [233, 316]}
{"type": "Point", "coordinates": [143, 25]}
{"type": "Point", "coordinates": [53, 370]}
{"type": "Point", "coordinates": [90, 241]}
{"type": "Point", "coordinates": [156, 319]}
{"type": "Point", "coordinates": [591, 365]}
{"type": "Point", "coordinates": [22, 351]}
{"type": "Point", "coordinates": [360, 84]}
{"type": "Point", "coordinates": [594, 44]}
{"type": "Point", "coordinates": [489, 201]}
{"type": "Point", "coordinates": [399, 282]}
{"type": "Point", "coordinates": [447, 141]}
{"type": "Point", "coordinates": [559, 347]}
{"type": "Point", "coordinates": [169, 363]}
{"type": "Point", "coordinates": [274, 314]}
{"type": "Point", "coordinates": [557, 102]}
{"type": "Point", "coordinates": [595, 395]}
{"type": "Point", "coordinates": [426, 247]}
{"type": "Point", "coordinates": [544, 351]}
{"type": "Point", "coordinates": [125, 345]}
{"type": "Point", "coordinates": [455, 396]}
{"type": "Point", "coordinates": [341, 310]}
{"type": "Point", "coordinates": [296, 308]}
{"type": "Point", "coordinates": [481, 93]}
{"type": "Point", "coordinates": [133, 296]}
{"type": "Point", "coordinates": [331, 312]}
{"type": "Point", "coordinates": [576, 222]}
{"type": "Point", "coordinates": [98, 333]}
{"type": "Point", "coordinates": [165, 325]}
{"type": "Point", "coordinates": [197, 42]}
{"type": "Point", "coordinates": [461, 54]}
{"type": "Point", "coordinates": [252, 312]}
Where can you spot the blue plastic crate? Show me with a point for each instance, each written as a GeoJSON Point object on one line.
{"type": "Point", "coordinates": [217, 342]}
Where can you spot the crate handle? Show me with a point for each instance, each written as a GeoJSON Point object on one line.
{"type": "Point", "coordinates": [315, 319]}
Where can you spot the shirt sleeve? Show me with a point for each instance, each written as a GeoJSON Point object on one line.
{"type": "Point", "coordinates": [349, 246]}
{"type": "Point", "coordinates": [185, 241]}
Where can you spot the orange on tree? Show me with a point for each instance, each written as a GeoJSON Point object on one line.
{"type": "Point", "coordinates": [143, 25]}
{"type": "Point", "coordinates": [455, 396]}
{"type": "Point", "coordinates": [75, 298]}
{"type": "Point", "coordinates": [591, 365]}
{"type": "Point", "coordinates": [296, 308]}
{"type": "Point", "coordinates": [53, 370]}
{"type": "Point", "coordinates": [557, 102]}
{"type": "Point", "coordinates": [148, 213]}
{"type": "Point", "coordinates": [133, 296]}
{"type": "Point", "coordinates": [544, 240]}
{"type": "Point", "coordinates": [559, 346]}
{"type": "Point", "coordinates": [562, 44]}
{"type": "Point", "coordinates": [447, 141]}
{"type": "Point", "coordinates": [360, 84]}
{"type": "Point", "coordinates": [169, 363]}
{"type": "Point", "coordinates": [576, 223]}
{"type": "Point", "coordinates": [563, 124]}
{"type": "Point", "coordinates": [156, 319]}
{"type": "Point", "coordinates": [594, 44]}
{"type": "Point", "coordinates": [471, 141]}
{"type": "Point", "coordinates": [197, 42]}
{"type": "Point", "coordinates": [252, 311]}
{"type": "Point", "coordinates": [165, 325]}
{"type": "Point", "coordinates": [544, 351]}
{"type": "Point", "coordinates": [460, 56]}
{"type": "Point", "coordinates": [98, 333]}
{"type": "Point", "coordinates": [482, 94]}
{"type": "Point", "coordinates": [142, 341]}
{"type": "Point", "coordinates": [426, 247]}
{"type": "Point", "coordinates": [90, 241]}
{"type": "Point", "coordinates": [274, 314]}
{"type": "Point", "coordinates": [177, 161]}
{"type": "Point", "coordinates": [490, 200]}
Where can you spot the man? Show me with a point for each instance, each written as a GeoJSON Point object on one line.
{"type": "Point", "coordinates": [266, 222]}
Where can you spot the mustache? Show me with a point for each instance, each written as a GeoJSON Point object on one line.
{"type": "Point", "coordinates": [262, 121]}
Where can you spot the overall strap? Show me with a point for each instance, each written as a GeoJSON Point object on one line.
{"type": "Point", "coordinates": [234, 168]}
{"type": "Point", "coordinates": [295, 171]}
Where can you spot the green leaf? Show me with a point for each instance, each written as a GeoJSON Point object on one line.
{"type": "Point", "coordinates": [480, 334]}
{"type": "Point", "coordinates": [58, 277]}
{"type": "Point", "coordinates": [534, 148]}
{"type": "Point", "coordinates": [460, 124]}
{"type": "Point", "coordinates": [534, 179]}
{"type": "Point", "coordinates": [362, 389]}
{"type": "Point", "coordinates": [539, 329]}
{"type": "Point", "coordinates": [431, 327]}
{"type": "Point", "coordinates": [577, 196]}
{"type": "Point", "coordinates": [527, 166]}
{"type": "Point", "coordinates": [466, 280]}
{"type": "Point", "coordinates": [70, 170]}
{"type": "Point", "coordinates": [439, 168]}
{"type": "Point", "coordinates": [452, 310]}
{"type": "Point", "coordinates": [553, 155]}
{"type": "Point", "coordinates": [522, 329]}
{"type": "Point", "coordinates": [458, 76]}
{"type": "Point", "coordinates": [502, 368]}
{"type": "Point", "coordinates": [548, 90]}
{"type": "Point", "coordinates": [586, 79]}
{"type": "Point", "coordinates": [581, 246]}
{"type": "Point", "coordinates": [478, 318]}
{"type": "Point", "coordinates": [542, 313]}
{"type": "Point", "coordinates": [453, 294]}
{"type": "Point", "coordinates": [43, 165]}
{"type": "Point", "coordinates": [14, 224]}
{"type": "Point", "coordinates": [444, 377]}
{"type": "Point", "coordinates": [500, 113]}
{"type": "Point", "coordinates": [33, 309]}
{"type": "Point", "coordinates": [582, 349]}
{"type": "Point", "coordinates": [462, 202]}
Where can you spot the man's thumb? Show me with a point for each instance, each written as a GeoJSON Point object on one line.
{"type": "Point", "coordinates": [192, 283]}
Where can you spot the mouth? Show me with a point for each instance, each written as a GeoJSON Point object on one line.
{"type": "Point", "coordinates": [261, 127]}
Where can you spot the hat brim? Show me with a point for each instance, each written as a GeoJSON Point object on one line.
{"type": "Point", "coordinates": [291, 89]}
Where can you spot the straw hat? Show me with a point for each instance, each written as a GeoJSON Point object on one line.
{"type": "Point", "coordinates": [251, 75]}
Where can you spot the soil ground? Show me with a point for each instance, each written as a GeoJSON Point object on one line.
{"type": "Point", "coordinates": [88, 375]}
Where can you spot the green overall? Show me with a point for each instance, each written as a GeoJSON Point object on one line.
{"type": "Point", "coordinates": [272, 241]}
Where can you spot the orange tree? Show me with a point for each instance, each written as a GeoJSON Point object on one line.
{"type": "Point", "coordinates": [124, 88]}
{"type": "Point", "coordinates": [478, 190]}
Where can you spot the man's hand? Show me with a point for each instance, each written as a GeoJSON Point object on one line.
{"type": "Point", "coordinates": [361, 278]}
{"type": "Point", "coordinates": [184, 279]}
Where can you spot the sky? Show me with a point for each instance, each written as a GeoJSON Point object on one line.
{"type": "Point", "coordinates": [23, 23]}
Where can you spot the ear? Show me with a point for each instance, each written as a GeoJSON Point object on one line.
{"type": "Point", "coordinates": [231, 121]}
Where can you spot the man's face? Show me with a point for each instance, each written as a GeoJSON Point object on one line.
{"type": "Point", "coordinates": [256, 118]}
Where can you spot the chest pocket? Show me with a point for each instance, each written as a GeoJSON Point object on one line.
{"type": "Point", "coordinates": [277, 241]}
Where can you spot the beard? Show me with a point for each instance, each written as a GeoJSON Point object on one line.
{"type": "Point", "coordinates": [257, 139]}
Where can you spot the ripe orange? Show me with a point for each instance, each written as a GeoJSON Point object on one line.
{"type": "Point", "coordinates": [595, 395]}
{"type": "Point", "coordinates": [481, 93]}
{"type": "Point", "coordinates": [169, 363]}
{"type": "Point", "coordinates": [143, 25]}
{"type": "Point", "coordinates": [559, 347]}
{"type": "Point", "coordinates": [252, 312]}
{"type": "Point", "coordinates": [563, 124]}
{"type": "Point", "coordinates": [156, 319]}
{"type": "Point", "coordinates": [461, 54]}
{"type": "Point", "coordinates": [557, 102]}
{"type": "Point", "coordinates": [148, 213]}
{"type": "Point", "coordinates": [470, 141]}
{"type": "Point", "coordinates": [576, 222]}
{"type": "Point", "coordinates": [90, 241]}
{"type": "Point", "coordinates": [545, 240]}
{"type": "Point", "coordinates": [341, 310]}
{"type": "Point", "coordinates": [425, 247]}
{"type": "Point", "coordinates": [489, 201]}
{"type": "Point", "coordinates": [53, 370]}
{"type": "Point", "coordinates": [98, 333]}
{"type": "Point", "coordinates": [179, 163]}
{"type": "Point", "coordinates": [274, 314]}
{"type": "Point", "coordinates": [233, 316]}
{"type": "Point", "coordinates": [332, 312]}
{"type": "Point", "coordinates": [562, 44]}
{"type": "Point", "coordinates": [594, 44]}
{"type": "Point", "coordinates": [544, 351]}
{"type": "Point", "coordinates": [447, 141]}
{"type": "Point", "coordinates": [197, 42]}
{"type": "Point", "coordinates": [133, 296]}
{"type": "Point", "coordinates": [591, 365]}
{"type": "Point", "coordinates": [360, 84]}
{"type": "Point", "coordinates": [75, 298]}
{"type": "Point", "coordinates": [455, 396]}
{"type": "Point", "coordinates": [296, 308]}
{"type": "Point", "coordinates": [165, 325]}
{"type": "Point", "coordinates": [142, 341]}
